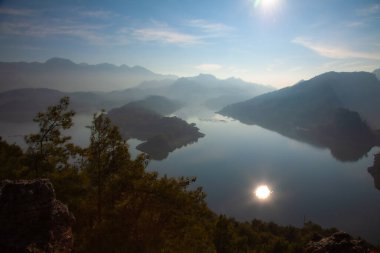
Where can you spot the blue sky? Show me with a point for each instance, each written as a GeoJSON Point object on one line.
{"type": "Point", "coordinates": [275, 42]}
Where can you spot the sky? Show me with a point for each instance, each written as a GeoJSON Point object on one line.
{"type": "Point", "coordinates": [272, 42]}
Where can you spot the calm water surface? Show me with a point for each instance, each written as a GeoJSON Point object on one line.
{"type": "Point", "coordinates": [233, 158]}
{"type": "Point", "coordinates": [307, 182]}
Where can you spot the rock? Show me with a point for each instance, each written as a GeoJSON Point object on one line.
{"type": "Point", "coordinates": [340, 242]}
{"type": "Point", "coordinates": [375, 171]}
{"type": "Point", "coordinates": [32, 220]}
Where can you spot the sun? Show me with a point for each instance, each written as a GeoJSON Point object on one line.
{"type": "Point", "coordinates": [266, 4]}
{"type": "Point", "coordinates": [263, 192]}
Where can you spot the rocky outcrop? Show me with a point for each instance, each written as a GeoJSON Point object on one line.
{"type": "Point", "coordinates": [32, 220]}
{"type": "Point", "coordinates": [375, 170]}
{"type": "Point", "coordinates": [339, 242]}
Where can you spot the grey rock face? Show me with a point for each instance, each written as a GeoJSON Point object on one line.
{"type": "Point", "coordinates": [339, 242]}
{"type": "Point", "coordinates": [32, 220]}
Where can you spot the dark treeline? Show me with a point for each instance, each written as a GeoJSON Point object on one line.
{"type": "Point", "coordinates": [121, 207]}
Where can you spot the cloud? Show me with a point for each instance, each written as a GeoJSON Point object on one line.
{"type": "Point", "coordinates": [208, 67]}
{"type": "Point", "coordinates": [16, 12]}
{"type": "Point", "coordinates": [165, 35]}
{"type": "Point", "coordinates": [161, 32]}
{"type": "Point", "coordinates": [334, 52]}
{"type": "Point", "coordinates": [98, 14]}
{"type": "Point", "coordinates": [79, 23]}
{"type": "Point", "coordinates": [355, 24]}
{"type": "Point", "coordinates": [93, 34]}
{"type": "Point", "coordinates": [370, 10]}
{"type": "Point", "coordinates": [209, 27]}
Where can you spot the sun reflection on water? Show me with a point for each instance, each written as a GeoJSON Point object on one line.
{"type": "Point", "coordinates": [263, 192]}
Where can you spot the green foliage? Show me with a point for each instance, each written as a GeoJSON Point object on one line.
{"type": "Point", "coordinates": [48, 149]}
{"type": "Point", "coordinates": [259, 236]}
{"type": "Point", "coordinates": [106, 155]}
{"type": "Point", "coordinates": [50, 154]}
{"type": "Point", "coordinates": [12, 161]}
{"type": "Point", "coordinates": [153, 215]}
{"type": "Point", "coordinates": [132, 209]}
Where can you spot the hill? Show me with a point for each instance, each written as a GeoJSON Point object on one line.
{"type": "Point", "coordinates": [65, 75]}
{"type": "Point", "coordinates": [201, 90]}
{"type": "Point", "coordinates": [157, 104]}
{"type": "Point", "coordinates": [162, 135]}
{"type": "Point", "coordinates": [332, 110]}
{"type": "Point", "coordinates": [377, 73]}
{"type": "Point", "coordinates": [212, 92]}
{"type": "Point", "coordinates": [374, 170]}
{"type": "Point", "coordinates": [21, 105]}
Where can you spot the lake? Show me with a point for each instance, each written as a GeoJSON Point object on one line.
{"type": "Point", "coordinates": [307, 182]}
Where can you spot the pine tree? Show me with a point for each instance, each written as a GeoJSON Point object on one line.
{"type": "Point", "coordinates": [49, 150]}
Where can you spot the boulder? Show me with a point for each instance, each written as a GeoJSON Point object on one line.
{"type": "Point", "coordinates": [375, 170]}
{"type": "Point", "coordinates": [339, 242]}
{"type": "Point", "coordinates": [32, 220]}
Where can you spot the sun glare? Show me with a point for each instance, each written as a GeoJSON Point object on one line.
{"type": "Point", "coordinates": [262, 192]}
{"type": "Point", "coordinates": [266, 4]}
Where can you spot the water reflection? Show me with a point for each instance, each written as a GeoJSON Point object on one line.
{"type": "Point", "coordinates": [159, 147]}
{"type": "Point", "coordinates": [343, 149]}
{"type": "Point", "coordinates": [375, 170]}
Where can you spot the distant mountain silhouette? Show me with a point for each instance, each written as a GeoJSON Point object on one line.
{"type": "Point", "coordinates": [377, 73]}
{"type": "Point", "coordinates": [331, 110]}
{"type": "Point", "coordinates": [212, 92]}
{"type": "Point", "coordinates": [18, 105]}
{"type": "Point", "coordinates": [158, 104]}
{"type": "Point", "coordinates": [161, 135]}
{"type": "Point", "coordinates": [65, 75]}
{"type": "Point", "coordinates": [21, 105]}
{"type": "Point", "coordinates": [374, 170]}
{"type": "Point", "coordinates": [205, 90]}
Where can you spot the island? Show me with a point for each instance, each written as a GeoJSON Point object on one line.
{"type": "Point", "coordinates": [161, 135]}
{"type": "Point", "coordinates": [375, 170]}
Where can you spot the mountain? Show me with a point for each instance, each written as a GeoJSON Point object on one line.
{"type": "Point", "coordinates": [21, 105]}
{"type": "Point", "coordinates": [145, 89]}
{"type": "Point", "coordinates": [212, 92]}
{"type": "Point", "coordinates": [374, 170]}
{"type": "Point", "coordinates": [204, 90]}
{"type": "Point", "coordinates": [123, 84]}
{"type": "Point", "coordinates": [335, 110]}
{"type": "Point", "coordinates": [65, 75]}
{"type": "Point", "coordinates": [377, 73]}
{"type": "Point", "coordinates": [158, 104]}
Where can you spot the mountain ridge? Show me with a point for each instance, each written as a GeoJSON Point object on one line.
{"type": "Point", "coordinates": [63, 74]}
{"type": "Point", "coordinates": [377, 73]}
{"type": "Point", "coordinates": [335, 110]}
